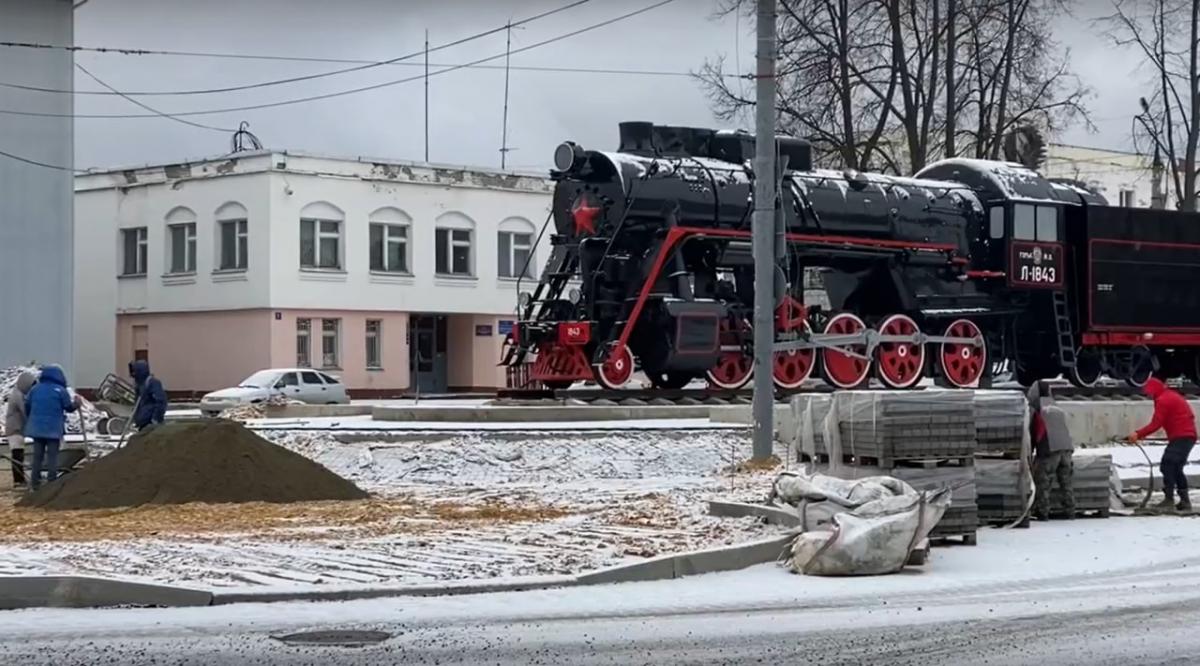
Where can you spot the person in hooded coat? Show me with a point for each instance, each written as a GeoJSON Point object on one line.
{"type": "Point", "coordinates": [1174, 415]}
{"type": "Point", "coordinates": [151, 397]}
{"type": "Point", "coordinates": [1053, 452]}
{"type": "Point", "coordinates": [46, 409]}
{"type": "Point", "coordinates": [14, 425]}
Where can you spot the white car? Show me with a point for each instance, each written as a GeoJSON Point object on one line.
{"type": "Point", "coordinates": [302, 384]}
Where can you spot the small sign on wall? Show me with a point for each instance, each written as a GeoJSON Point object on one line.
{"type": "Point", "coordinates": [483, 330]}
{"type": "Point", "coordinates": [506, 326]}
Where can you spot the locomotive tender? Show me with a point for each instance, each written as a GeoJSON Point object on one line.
{"type": "Point", "coordinates": [968, 265]}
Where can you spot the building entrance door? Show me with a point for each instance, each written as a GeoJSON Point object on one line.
{"type": "Point", "coordinates": [427, 352]}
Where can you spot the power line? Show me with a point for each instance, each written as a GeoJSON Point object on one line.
{"type": "Point", "coordinates": [386, 84]}
{"type": "Point", "coordinates": [168, 116]}
{"type": "Point", "coordinates": [46, 165]}
{"type": "Point", "coordinates": [293, 79]}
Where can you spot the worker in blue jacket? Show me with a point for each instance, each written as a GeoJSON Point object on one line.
{"type": "Point", "coordinates": [151, 397]}
{"type": "Point", "coordinates": [46, 408]}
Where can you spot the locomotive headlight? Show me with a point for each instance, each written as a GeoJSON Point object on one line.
{"type": "Point", "coordinates": [573, 295]}
{"type": "Point", "coordinates": [524, 299]}
{"type": "Point", "coordinates": [567, 156]}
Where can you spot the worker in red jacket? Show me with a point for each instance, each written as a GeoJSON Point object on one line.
{"type": "Point", "coordinates": [1174, 415]}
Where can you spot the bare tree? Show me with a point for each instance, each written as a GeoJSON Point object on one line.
{"type": "Point", "coordinates": [1166, 33]}
{"type": "Point", "coordinates": [865, 80]}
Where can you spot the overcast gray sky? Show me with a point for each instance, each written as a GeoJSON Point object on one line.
{"type": "Point", "coordinates": [465, 105]}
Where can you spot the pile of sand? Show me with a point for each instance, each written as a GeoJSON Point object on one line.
{"type": "Point", "coordinates": [209, 461]}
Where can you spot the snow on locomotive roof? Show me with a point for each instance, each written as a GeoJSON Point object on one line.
{"type": "Point", "coordinates": [1011, 180]}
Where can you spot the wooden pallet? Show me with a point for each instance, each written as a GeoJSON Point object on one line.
{"type": "Point", "coordinates": [890, 462]}
{"type": "Point", "coordinates": [964, 538]}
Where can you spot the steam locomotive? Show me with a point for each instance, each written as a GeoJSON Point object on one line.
{"type": "Point", "coordinates": [968, 266]}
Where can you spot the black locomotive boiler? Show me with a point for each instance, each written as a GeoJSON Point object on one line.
{"type": "Point", "coordinates": [966, 266]}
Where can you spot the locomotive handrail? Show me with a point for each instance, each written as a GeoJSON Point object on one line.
{"type": "Point", "coordinates": [532, 252]}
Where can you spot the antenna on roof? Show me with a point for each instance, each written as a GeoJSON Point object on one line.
{"type": "Point", "coordinates": [244, 139]}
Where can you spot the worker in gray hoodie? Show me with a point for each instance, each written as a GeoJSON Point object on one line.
{"type": "Point", "coordinates": [14, 425]}
{"type": "Point", "coordinates": [1053, 451]}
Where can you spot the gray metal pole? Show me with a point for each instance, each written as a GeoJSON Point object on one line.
{"type": "Point", "coordinates": [764, 232]}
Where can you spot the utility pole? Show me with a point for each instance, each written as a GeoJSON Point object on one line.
{"type": "Point", "coordinates": [504, 130]}
{"type": "Point", "coordinates": [426, 95]}
{"type": "Point", "coordinates": [764, 233]}
{"type": "Point", "coordinates": [1157, 199]}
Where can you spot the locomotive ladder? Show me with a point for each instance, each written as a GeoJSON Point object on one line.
{"type": "Point", "coordinates": [558, 272]}
{"type": "Point", "coordinates": [1062, 326]}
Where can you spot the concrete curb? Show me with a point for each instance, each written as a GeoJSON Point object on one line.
{"type": "Point", "coordinates": [86, 592]}
{"type": "Point", "coordinates": [773, 515]}
{"type": "Point", "coordinates": [713, 560]}
{"type": "Point", "coordinates": [81, 592]}
{"type": "Point", "coordinates": [432, 590]}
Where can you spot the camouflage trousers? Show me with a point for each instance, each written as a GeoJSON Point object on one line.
{"type": "Point", "coordinates": [1047, 468]}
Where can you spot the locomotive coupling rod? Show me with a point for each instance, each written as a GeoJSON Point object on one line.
{"type": "Point", "coordinates": [868, 338]}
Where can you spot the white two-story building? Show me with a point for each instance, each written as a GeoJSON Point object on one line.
{"type": "Point", "coordinates": [393, 275]}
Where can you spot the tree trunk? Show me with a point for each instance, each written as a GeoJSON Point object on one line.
{"type": "Point", "coordinates": [1193, 121]}
{"type": "Point", "coordinates": [951, 47]}
{"type": "Point", "coordinates": [849, 150]}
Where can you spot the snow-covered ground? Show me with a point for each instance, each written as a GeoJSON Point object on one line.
{"type": "Point", "coordinates": [466, 505]}
{"type": "Point", "coordinates": [1067, 572]}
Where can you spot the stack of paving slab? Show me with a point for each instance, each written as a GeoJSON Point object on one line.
{"type": "Point", "coordinates": [1001, 473]}
{"type": "Point", "coordinates": [1000, 422]}
{"type": "Point", "coordinates": [1003, 489]}
{"type": "Point", "coordinates": [925, 438]}
{"type": "Point", "coordinates": [1090, 483]}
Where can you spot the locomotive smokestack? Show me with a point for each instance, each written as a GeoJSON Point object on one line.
{"type": "Point", "coordinates": [637, 137]}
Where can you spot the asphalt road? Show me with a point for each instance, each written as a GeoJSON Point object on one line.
{"type": "Point", "coordinates": [1135, 617]}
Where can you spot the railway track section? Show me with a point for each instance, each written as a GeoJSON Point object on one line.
{"type": "Point", "coordinates": [716, 397]}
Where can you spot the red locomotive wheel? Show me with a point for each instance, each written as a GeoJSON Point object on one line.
{"type": "Point", "coordinates": [732, 371]}
{"type": "Point", "coordinates": [734, 367]}
{"type": "Point", "coordinates": [900, 364]}
{"type": "Point", "coordinates": [616, 371]}
{"type": "Point", "coordinates": [963, 363]}
{"type": "Point", "coordinates": [791, 368]}
{"type": "Point", "coordinates": [841, 369]}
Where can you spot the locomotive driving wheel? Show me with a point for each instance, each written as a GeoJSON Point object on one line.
{"type": "Point", "coordinates": [734, 367]}
{"type": "Point", "coordinates": [615, 371]}
{"type": "Point", "coordinates": [1087, 368]}
{"type": "Point", "coordinates": [792, 367]}
{"type": "Point", "coordinates": [899, 364]}
{"type": "Point", "coordinates": [842, 369]}
{"type": "Point", "coordinates": [963, 363]}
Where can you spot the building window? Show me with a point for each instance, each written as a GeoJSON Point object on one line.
{"type": "Point", "coordinates": [234, 245]}
{"type": "Point", "coordinates": [516, 250]}
{"type": "Point", "coordinates": [303, 343]}
{"type": "Point", "coordinates": [453, 252]}
{"type": "Point", "coordinates": [1024, 222]}
{"type": "Point", "coordinates": [183, 247]}
{"type": "Point", "coordinates": [1047, 223]}
{"type": "Point", "coordinates": [135, 246]}
{"type": "Point", "coordinates": [374, 344]}
{"type": "Point", "coordinates": [1035, 222]}
{"type": "Point", "coordinates": [389, 248]}
{"type": "Point", "coordinates": [321, 244]}
{"type": "Point", "coordinates": [996, 222]}
{"type": "Point", "coordinates": [329, 342]}
{"type": "Point", "coordinates": [1127, 200]}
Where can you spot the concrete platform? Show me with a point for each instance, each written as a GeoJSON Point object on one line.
{"type": "Point", "coordinates": [539, 414]}
{"type": "Point", "coordinates": [316, 411]}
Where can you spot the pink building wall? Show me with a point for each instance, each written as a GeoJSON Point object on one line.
{"type": "Point", "coordinates": [197, 350]}
{"type": "Point", "coordinates": [474, 359]}
{"type": "Point", "coordinates": [394, 374]}
{"type": "Point", "coordinates": [204, 351]}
